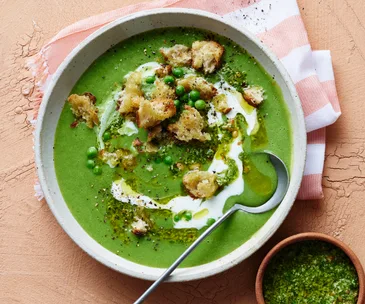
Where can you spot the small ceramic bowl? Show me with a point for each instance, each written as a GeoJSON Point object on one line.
{"type": "Point", "coordinates": [306, 237]}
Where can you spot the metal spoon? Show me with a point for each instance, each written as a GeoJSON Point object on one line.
{"type": "Point", "coordinates": [275, 200]}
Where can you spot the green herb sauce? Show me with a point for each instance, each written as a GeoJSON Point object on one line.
{"type": "Point", "coordinates": [312, 272]}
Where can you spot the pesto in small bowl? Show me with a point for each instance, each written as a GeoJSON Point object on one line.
{"type": "Point", "coordinates": [313, 272]}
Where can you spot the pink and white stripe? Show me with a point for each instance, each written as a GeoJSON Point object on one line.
{"type": "Point", "coordinates": [311, 187]}
{"type": "Point", "coordinates": [277, 23]}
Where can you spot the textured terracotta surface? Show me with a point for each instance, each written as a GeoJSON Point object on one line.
{"type": "Point", "coordinates": [38, 261]}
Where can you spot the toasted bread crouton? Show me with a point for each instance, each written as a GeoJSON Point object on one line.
{"type": "Point", "coordinates": [206, 89]}
{"type": "Point", "coordinates": [200, 184]}
{"type": "Point", "coordinates": [133, 84]}
{"type": "Point", "coordinates": [220, 103]}
{"type": "Point", "coordinates": [180, 166]}
{"type": "Point", "coordinates": [195, 166]}
{"type": "Point", "coordinates": [137, 142]}
{"type": "Point", "coordinates": [254, 95]}
{"type": "Point", "coordinates": [110, 158]}
{"type": "Point", "coordinates": [189, 126]}
{"type": "Point", "coordinates": [151, 113]}
{"type": "Point", "coordinates": [139, 226]}
{"type": "Point", "coordinates": [150, 148]}
{"type": "Point", "coordinates": [128, 161]}
{"type": "Point", "coordinates": [121, 157]}
{"type": "Point", "coordinates": [132, 94]}
{"type": "Point", "coordinates": [91, 96]}
{"type": "Point", "coordinates": [162, 90]}
{"type": "Point", "coordinates": [83, 106]}
{"type": "Point", "coordinates": [206, 55]}
{"type": "Point", "coordinates": [129, 103]}
{"type": "Point", "coordinates": [154, 132]}
{"type": "Point", "coordinates": [164, 70]}
{"type": "Point", "coordinates": [178, 55]}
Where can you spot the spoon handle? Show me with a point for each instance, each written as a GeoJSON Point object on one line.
{"type": "Point", "coordinates": [185, 254]}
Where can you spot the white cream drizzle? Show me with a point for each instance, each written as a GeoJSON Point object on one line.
{"type": "Point", "coordinates": [147, 69]}
{"type": "Point", "coordinates": [122, 192]}
{"type": "Point", "coordinates": [238, 105]}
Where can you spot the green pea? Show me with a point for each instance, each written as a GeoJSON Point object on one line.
{"type": "Point", "coordinates": [210, 221]}
{"type": "Point", "coordinates": [224, 118]}
{"type": "Point", "coordinates": [168, 160]}
{"type": "Point", "coordinates": [97, 170]}
{"type": "Point", "coordinates": [169, 79]}
{"type": "Point", "coordinates": [184, 98]}
{"type": "Point", "coordinates": [178, 72]}
{"type": "Point", "coordinates": [191, 103]}
{"type": "Point", "coordinates": [90, 163]}
{"type": "Point", "coordinates": [107, 136]}
{"type": "Point", "coordinates": [177, 103]}
{"type": "Point", "coordinates": [180, 90]}
{"type": "Point", "coordinates": [188, 216]}
{"type": "Point", "coordinates": [200, 104]}
{"type": "Point", "coordinates": [177, 217]}
{"type": "Point", "coordinates": [194, 95]}
{"type": "Point", "coordinates": [92, 152]}
{"type": "Point", "coordinates": [150, 79]}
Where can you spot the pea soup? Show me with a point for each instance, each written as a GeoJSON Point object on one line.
{"type": "Point", "coordinates": [158, 138]}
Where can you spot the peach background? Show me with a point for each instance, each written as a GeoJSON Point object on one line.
{"type": "Point", "coordinates": [38, 261]}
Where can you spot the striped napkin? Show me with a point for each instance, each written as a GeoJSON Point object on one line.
{"type": "Point", "coordinates": [276, 22]}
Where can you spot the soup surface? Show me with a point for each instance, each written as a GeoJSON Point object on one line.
{"type": "Point", "coordinates": [159, 137]}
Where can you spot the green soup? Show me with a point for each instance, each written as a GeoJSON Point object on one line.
{"type": "Point", "coordinates": [155, 169]}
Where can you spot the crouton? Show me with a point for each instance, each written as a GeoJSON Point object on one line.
{"type": "Point", "coordinates": [129, 103]}
{"type": "Point", "coordinates": [133, 83]}
{"type": "Point", "coordinates": [178, 55]}
{"type": "Point", "coordinates": [91, 96]}
{"type": "Point", "coordinates": [83, 106]}
{"type": "Point", "coordinates": [128, 161]}
{"type": "Point", "coordinates": [206, 89]}
{"type": "Point", "coordinates": [220, 103]}
{"type": "Point", "coordinates": [162, 90]}
{"type": "Point", "coordinates": [206, 55]}
{"type": "Point", "coordinates": [151, 113]}
{"type": "Point", "coordinates": [195, 166]}
{"type": "Point", "coordinates": [154, 132]}
{"type": "Point", "coordinates": [137, 142]}
{"type": "Point", "coordinates": [139, 226]}
{"type": "Point", "coordinates": [132, 94]}
{"type": "Point", "coordinates": [189, 126]}
{"type": "Point", "coordinates": [110, 158]}
{"type": "Point", "coordinates": [180, 166]}
{"type": "Point", "coordinates": [254, 95]}
{"type": "Point", "coordinates": [121, 157]}
{"type": "Point", "coordinates": [164, 70]}
{"type": "Point", "coordinates": [150, 148]}
{"type": "Point", "coordinates": [200, 184]}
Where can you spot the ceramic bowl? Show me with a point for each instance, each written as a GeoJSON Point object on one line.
{"type": "Point", "coordinates": [80, 59]}
{"type": "Point", "coordinates": [306, 237]}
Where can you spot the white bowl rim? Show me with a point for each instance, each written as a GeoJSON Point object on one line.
{"type": "Point", "coordinates": [226, 262]}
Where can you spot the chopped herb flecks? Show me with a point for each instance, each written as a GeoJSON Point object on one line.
{"type": "Point", "coordinates": [312, 272]}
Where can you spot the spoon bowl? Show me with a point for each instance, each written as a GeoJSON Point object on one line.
{"type": "Point", "coordinates": [281, 189]}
